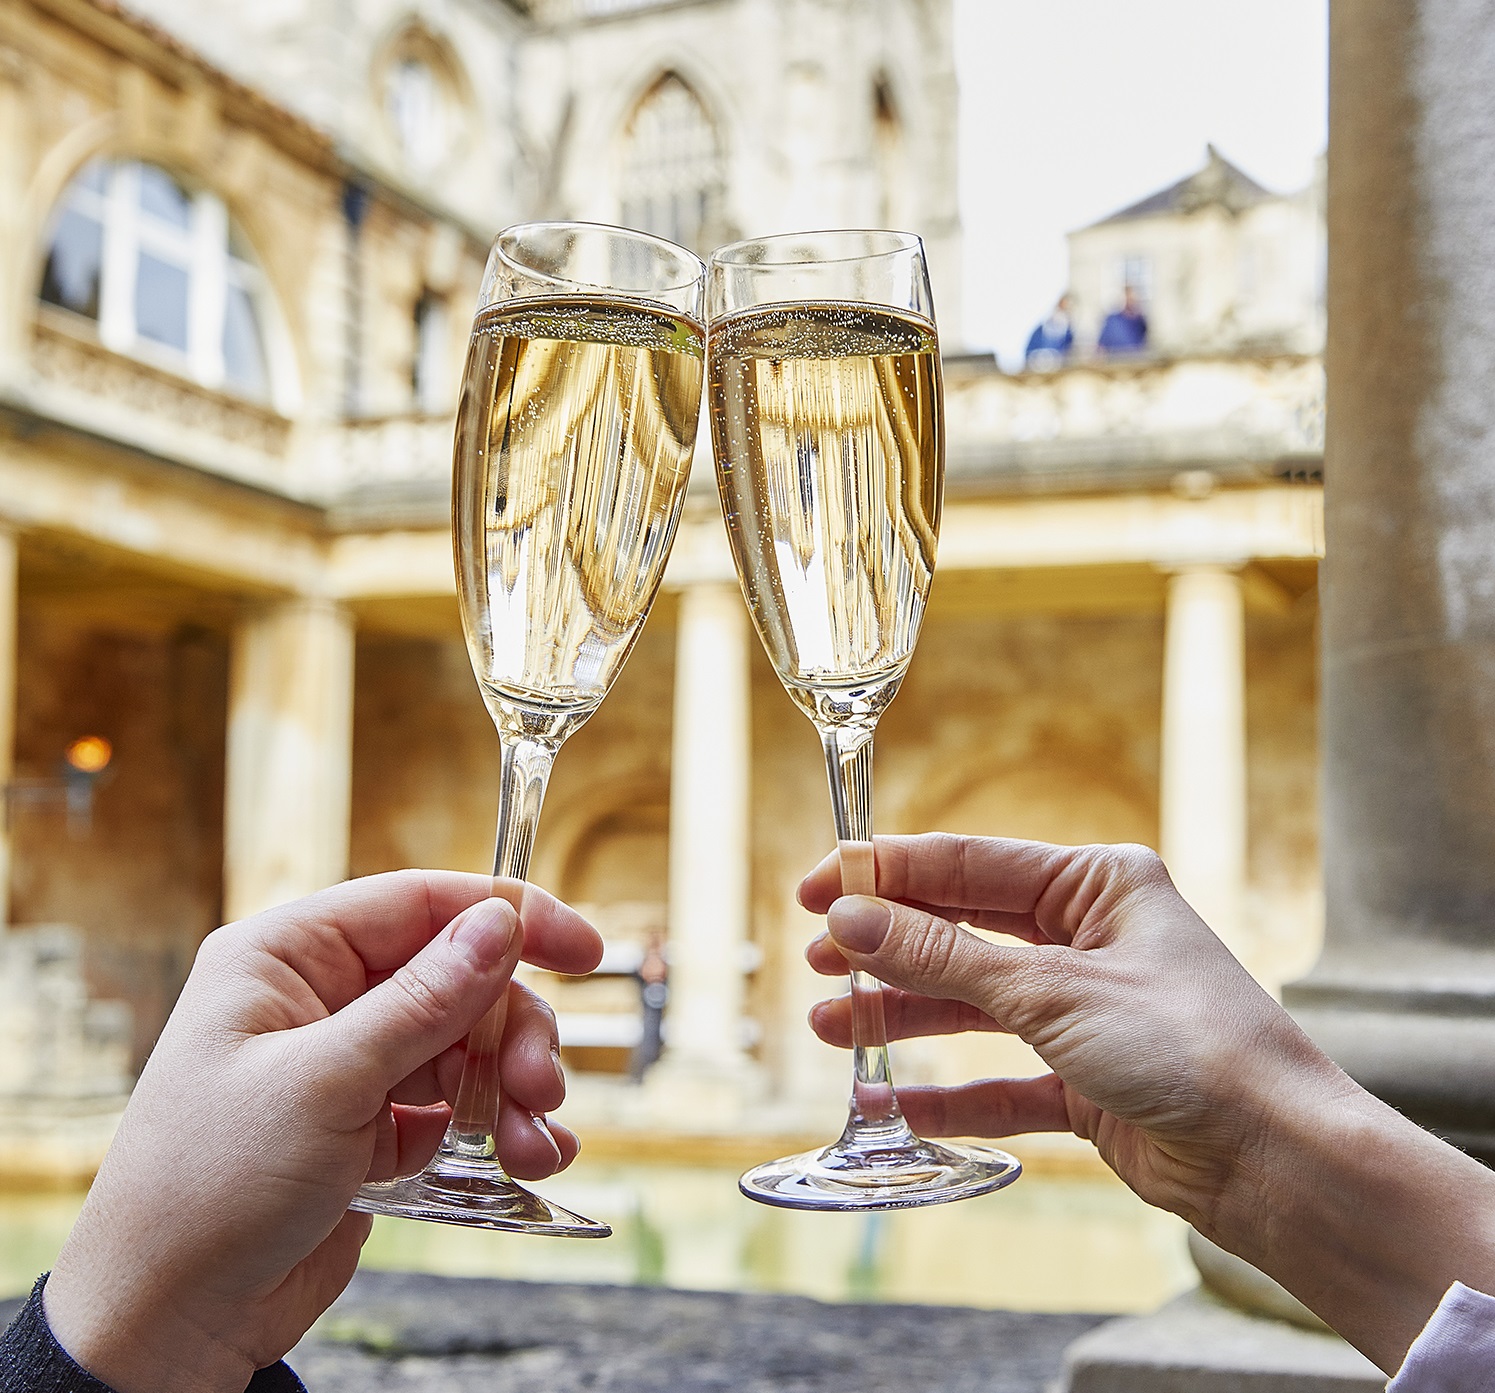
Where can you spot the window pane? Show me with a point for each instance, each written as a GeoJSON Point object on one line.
{"type": "Point", "coordinates": [673, 179]}
{"type": "Point", "coordinates": [74, 264]}
{"type": "Point", "coordinates": [430, 378]}
{"type": "Point", "coordinates": [418, 111]}
{"type": "Point", "coordinates": [161, 302]}
{"type": "Point", "coordinates": [162, 197]}
{"type": "Point", "coordinates": [243, 349]}
{"type": "Point", "coordinates": [94, 176]}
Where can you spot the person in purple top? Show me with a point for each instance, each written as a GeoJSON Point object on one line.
{"type": "Point", "coordinates": [1124, 330]}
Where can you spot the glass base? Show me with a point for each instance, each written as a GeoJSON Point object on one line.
{"type": "Point", "coordinates": [861, 1173]}
{"type": "Point", "coordinates": [477, 1194]}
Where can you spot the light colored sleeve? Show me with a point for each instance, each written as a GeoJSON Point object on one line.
{"type": "Point", "coordinates": [1456, 1351]}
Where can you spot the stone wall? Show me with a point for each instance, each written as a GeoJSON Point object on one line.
{"type": "Point", "coordinates": [143, 881]}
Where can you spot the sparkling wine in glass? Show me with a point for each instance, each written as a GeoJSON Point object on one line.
{"type": "Point", "coordinates": [827, 421]}
{"type": "Point", "coordinates": [580, 402]}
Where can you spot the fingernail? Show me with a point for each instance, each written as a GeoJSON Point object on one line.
{"type": "Point", "coordinates": [560, 1073]}
{"type": "Point", "coordinates": [483, 933]}
{"type": "Point", "coordinates": [859, 923]}
{"type": "Point", "coordinates": [815, 943]}
{"type": "Point", "coordinates": [799, 894]}
{"type": "Point", "coordinates": [539, 1120]}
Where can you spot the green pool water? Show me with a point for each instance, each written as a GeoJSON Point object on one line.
{"type": "Point", "coordinates": [1047, 1243]}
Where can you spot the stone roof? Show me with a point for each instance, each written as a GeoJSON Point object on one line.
{"type": "Point", "coordinates": [1218, 184]}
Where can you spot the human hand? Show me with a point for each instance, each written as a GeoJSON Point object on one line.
{"type": "Point", "coordinates": [311, 1049]}
{"type": "Point", "coordinates": [1194, 1085]}
{"type": "Point", "coordinates": [1164, 1051]}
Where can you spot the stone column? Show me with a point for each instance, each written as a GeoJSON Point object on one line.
{"type": "Point", "coordinates": [1404, 994]}
{"type": "Point", "coordinates": [9, 613]}
{"type": "Point", "coordinates": [290, 746]}
{"type": "Point", "coordinates": [710, 858]}
{"type": "Point", "coordinates": [1204, 747]}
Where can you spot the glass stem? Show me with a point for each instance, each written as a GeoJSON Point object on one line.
{"type": "Point", "coordinates": [526, 770]}
{"type": "Point", "coordinates": [874, 1107]}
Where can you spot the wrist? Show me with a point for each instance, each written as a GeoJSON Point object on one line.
{"type": "Point", "coordinates": [1362, 1215]}
{"type": "Point", "coordinates": [134, 1339]}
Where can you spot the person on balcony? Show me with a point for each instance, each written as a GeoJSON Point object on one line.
{"type": "Point", "coordinates": [1052, 340]}
{"type": "Point", "coordinates": [1124, 329]}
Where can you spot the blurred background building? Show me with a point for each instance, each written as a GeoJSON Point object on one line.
{"type": "Point", "coordinates": [242, 246]}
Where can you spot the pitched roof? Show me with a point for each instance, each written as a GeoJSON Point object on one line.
{"type": "Point", "coordinates": [1218, 183]}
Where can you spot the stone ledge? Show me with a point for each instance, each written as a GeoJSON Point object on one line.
{"type": "Point", "coordinates": [1198, 1345]}
{"type": "Point", "coordinates": [421, 1334]}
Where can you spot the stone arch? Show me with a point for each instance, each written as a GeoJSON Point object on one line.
{"type": "Point", "coordinates": [1061, 801]}
{"type": "Point", "coordinates": [609, 851]}
{"type": "Point", "coordinates": [106, 137]}
{"type": "Point", "coordinates": [670, 161]}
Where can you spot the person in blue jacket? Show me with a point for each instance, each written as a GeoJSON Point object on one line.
{"type": "Point", "coordinates": [1125, 330]}
{"type": "Point", "coordinates": [1052, 340]}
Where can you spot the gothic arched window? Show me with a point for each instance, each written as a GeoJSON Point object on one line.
{"type": "Point", "coordinates": [673, 180]}
{"type": "Point", "coordinates": [163, 273]}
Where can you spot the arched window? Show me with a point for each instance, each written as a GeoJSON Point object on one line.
{"type": "Point", "coordinates": [418, 108]}
{"type": "Point", "coordinates": [162, 272]}
{"type": "Point", "coordinates": [672, 168]}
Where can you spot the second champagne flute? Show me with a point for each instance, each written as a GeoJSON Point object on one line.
{"type": "Point", "coordinates": [827, 419]}
{"type": "Point", "coordinates": [580, 401]}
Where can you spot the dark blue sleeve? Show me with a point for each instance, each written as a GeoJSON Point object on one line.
{"type": "Point", "coordinates": [31, 1360]}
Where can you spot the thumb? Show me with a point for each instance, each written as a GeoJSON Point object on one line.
{"type": "Point", "coordinates": [428, 1005]}
{"type": "Point", "coordinates": [1019, 987]}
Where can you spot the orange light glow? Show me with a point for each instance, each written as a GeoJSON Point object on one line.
{"type": "Point", "coordinates": [90, 754]}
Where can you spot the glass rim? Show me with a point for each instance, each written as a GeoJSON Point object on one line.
{"type": "Point", "coordinates": [682, 254]}
{"type": "Point", "coordinates": [898, 243]}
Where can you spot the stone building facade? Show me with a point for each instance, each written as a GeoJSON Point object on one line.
{"type": "Point", "coordinates": [241, 246]}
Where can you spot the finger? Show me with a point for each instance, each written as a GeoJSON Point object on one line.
{"type": "Point", "coordinates": [433, 1082]}
{"type": "Point", "coordinates": [989, 1108]}
{"type": "Point", "coordinates": [423, 1009]}
{"type": "Point", "coordinates": [556, 937]}
{"type": "Point", "coordinates": [1022, 986]}
{"type": "Point", "coordinates": [336, 937]}
{"type": "Point", "coordinates": [526, 1145]}
{"type": "Point", "coordinates": [343, 940]}
{"type": "Point", "coordinates": [530, 1055]}
{"type": "Point", "coordinates": [907, 1017]}
{"type": "Point", "coordinates": [1048, 888]}
{"type": "Point", "coordinates": [406, 1139]}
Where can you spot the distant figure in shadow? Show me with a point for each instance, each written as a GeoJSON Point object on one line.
{"type": "Point", "coordinates": [1052, 340]}
{"type": "Point", "coordinates": [1125, 330]}
{"type": "Point", "coordinates": [654, 992]}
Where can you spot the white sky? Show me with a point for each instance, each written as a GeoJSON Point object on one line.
{"type": "Point", "coordinates": [1071, 109]}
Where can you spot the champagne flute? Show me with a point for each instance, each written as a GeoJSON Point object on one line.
{"type": "Point", "coordinates": [827, 419]}
{"type": "Point", "coordinates": [580, 401]}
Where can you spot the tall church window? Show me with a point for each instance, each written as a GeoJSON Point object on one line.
{"type": "Point", "coordinates": [416, 103]}
{"type": "Point", "coordinates": [161, 271]}
{"type": "Point", "coordinates": [673, 179]}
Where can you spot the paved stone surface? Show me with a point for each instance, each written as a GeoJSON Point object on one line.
{"type": "Point", "coordinates": [393, 1331]}
{"type": "Point", "coordinates": [419, 1334]}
